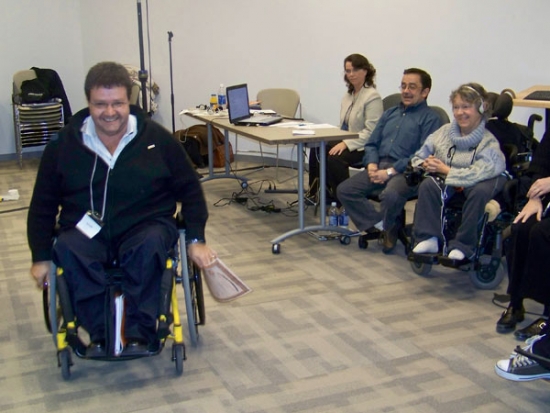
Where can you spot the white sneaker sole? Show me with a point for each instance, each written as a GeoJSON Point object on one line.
{"type": "Point", "coordinates": [515, 377]}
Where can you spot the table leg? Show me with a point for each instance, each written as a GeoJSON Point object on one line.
{"type": "Point", "coordinates": [227, 174]}
{"type": "Point", "coordinates": [275, 247]}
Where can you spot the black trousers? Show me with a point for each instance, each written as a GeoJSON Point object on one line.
{"type": "Point", "coordinates": [337, 167]}
{"type": "Point", "coordinates": [528, 258]}
{"type": "Point", "coordinates": [141, 254]}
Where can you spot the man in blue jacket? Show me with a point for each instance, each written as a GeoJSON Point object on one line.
{"type": "Point", "coordinates": [398, 135]}
{"type": "Point", "coordinates": [111, 181]}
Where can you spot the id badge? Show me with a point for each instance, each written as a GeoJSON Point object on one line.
{"type": "Point", "coordinates": [90, 224]}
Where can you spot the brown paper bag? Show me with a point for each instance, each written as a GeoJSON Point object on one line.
{"type": "Point", "coordinates": [224, 285]}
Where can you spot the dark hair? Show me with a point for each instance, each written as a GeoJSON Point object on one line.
{"type": "Point", "coordinates": [472, 93]}
{"type": "Point", "coordinates": [425, 77]}
{"type": "Point", "coordinates": [358, 61]}
{"type": "Point", "coordinates": [108, 75]}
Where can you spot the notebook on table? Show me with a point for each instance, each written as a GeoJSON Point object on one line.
{"type": "Point", "coordinates": [239, 110]}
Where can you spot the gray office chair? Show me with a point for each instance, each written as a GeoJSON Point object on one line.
{"type": "Point", "coordinates": [286, 102]}
{"type": "Point", "coordinates": [391, 100]}
{"type": "Point", "coordinates": [283, 101]}
{"type": "Point", "coordinates": [135, 95]}
{"type": "Point", "coordinates": [443, 117]}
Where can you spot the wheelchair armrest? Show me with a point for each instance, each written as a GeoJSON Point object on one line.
{"type": "Point", "coordinates": [180, 221]}
{"type": "Point", "coordinates": [532, 119]}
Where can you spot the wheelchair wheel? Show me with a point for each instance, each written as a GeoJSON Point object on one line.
{"type": "Point", "coordinates": [178, 355]}
{"type": "Point", "coordinates": [362, 242]}
{"type": "Point", "coordinates": [488, 276]}
{"type": "Point", "coordinates": [199, 296]}
{"type": "Point", "coordinates": [421, 268]}
{"type": "Point", "coordinates": [194, 302]}
{"type": "Point", "coordinates": [64, 361]}
{"type": "Point", "coordinates": [53, 316]}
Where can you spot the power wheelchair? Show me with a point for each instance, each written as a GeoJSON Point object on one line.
{"type": "Point", "coordinates": [61, 322]}
{"type": "Point", "coordinates": [486, 269]}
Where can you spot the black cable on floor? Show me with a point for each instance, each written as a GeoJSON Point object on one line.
{"type": "Point", "coordinates": [14, 210]}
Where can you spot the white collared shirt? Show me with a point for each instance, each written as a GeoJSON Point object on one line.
{"type": "Point", "coordinates": [92, 141]}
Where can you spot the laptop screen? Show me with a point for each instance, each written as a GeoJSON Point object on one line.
{"type": "Point", "coordinates": [237, 102]}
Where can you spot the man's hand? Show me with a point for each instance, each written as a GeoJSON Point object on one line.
{"type": "Point", "coordinates": [40, 271]}
{"type": "Point", "coordinates": [435, 166]}
{"type": "Point", "coordinates": [201, 254]}
{"type": "Point", "coordinates": [379, 177]}
{"type": "Point", "coordinates": [372, 168]}
{"type": "Point", "coordinates": [533, 206]}
{"type": "Point", "coordinates": [338, 149]}
{"type": "Point", "coordinates": [539, 188]}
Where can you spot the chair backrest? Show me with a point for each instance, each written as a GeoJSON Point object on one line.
{"type": "Point", "coordinates": [443, 117]}
{"type": "Point", "coordinates": [20, 77]}
{"type": "Point", "coordinates": [134, 96]}
{"type": "Point", "coordinates": [502, 106]}
{"type": "Point", "coordinates": [391, 100]}
{"type": "Point", "coordinates": [283, 101]}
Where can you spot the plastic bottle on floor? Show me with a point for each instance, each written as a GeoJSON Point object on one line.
{"type": "Point", "coordinates": [333, 215]}
{"type": "Point", "coordinates": [343, 217]}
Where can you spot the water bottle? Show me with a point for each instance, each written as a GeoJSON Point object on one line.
{"type": "Point", "coordinates": [343, 217]}
{"type": "Point", "coordinates": [333, 215]}
{"type": "Point", "coordinates": [213, 101]}
{"type": "Point", "coordinates": [222, 102]}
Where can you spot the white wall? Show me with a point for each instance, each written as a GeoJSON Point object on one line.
{"type": "Point", "coordinates": [292, 43]}
{"type": "Point", "coordinates": [45, 34]}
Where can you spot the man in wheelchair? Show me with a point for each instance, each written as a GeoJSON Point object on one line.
{"type": "Point", "coordinates": [461, 159]}
{"type": "Point", "coordinates": [111, 181]}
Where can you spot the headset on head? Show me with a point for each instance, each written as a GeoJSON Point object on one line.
{"type": "Point", "coordinates": [481, 108]}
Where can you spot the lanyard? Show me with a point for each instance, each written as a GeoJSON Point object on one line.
{"type": "Point", "coordinates": [92, 190]}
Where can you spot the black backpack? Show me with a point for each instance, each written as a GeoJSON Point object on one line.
{"type": "Point", "coordinates": [34, 91]}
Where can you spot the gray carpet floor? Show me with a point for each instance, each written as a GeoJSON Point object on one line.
{"type": "Point", "coordinates": [328, 328]}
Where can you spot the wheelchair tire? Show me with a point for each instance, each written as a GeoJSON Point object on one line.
{"type": "Point", "coordinates": [178, 352]}
{"type": "Point", "coordinates": [488, 276]}
{"type": "Point", "coordinates": [194, 301]}
{"type": "Point", "coordinates": [421, 268]}
{"type": "Point", "coordinates": [64, 360]}
{"type": "Point", "coordinates": [199, 296]}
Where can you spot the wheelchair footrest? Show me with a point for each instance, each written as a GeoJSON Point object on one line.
{"type": "Point", "coordinates": [432, 259]}
{"type": "Point", "coordinates": [449, 262]}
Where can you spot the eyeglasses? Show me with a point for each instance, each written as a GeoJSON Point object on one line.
{"type": "Point", "coordinates": [413, 87]}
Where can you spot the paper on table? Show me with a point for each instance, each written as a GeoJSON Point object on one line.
{"type": "Point", "coordinates": [322, 126]}
{"type": "Point", "coordinates": [292, 124]}
{"type": "Point", "coordinates": [224, 284]}
{"type": "Point", "coordinates": [263, 111]}
{"type": "Point", "coordinates": [303, 132]}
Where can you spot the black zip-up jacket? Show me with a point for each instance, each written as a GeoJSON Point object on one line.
{"type": "Point", "coordinates": [151, 174]}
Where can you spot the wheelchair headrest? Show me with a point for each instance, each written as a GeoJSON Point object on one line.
{"type": "Point", "coordinates": [503, 105]}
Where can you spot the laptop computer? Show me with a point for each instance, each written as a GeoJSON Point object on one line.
{"type": "Point", "coordinates": [239, 110]}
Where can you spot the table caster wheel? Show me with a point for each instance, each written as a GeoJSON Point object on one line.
{"type": "Point", "coordinates": [345, 240]}
{"type": "Point", "coordinates": [276, 248]}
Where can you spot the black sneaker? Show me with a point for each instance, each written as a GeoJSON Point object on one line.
{"type": "Point", "coordinates": [522, 368]}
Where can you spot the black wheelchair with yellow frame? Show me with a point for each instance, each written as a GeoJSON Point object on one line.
{"type": "Point", "coordinates": [63, 325]}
